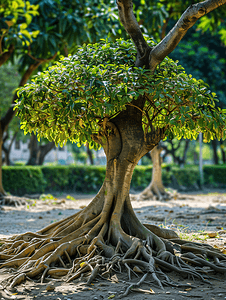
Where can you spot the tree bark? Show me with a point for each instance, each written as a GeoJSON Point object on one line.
{"type": "Point", "coordinates": [33, 150]}
{"type": "Point", "coordinates": [223, 152]}
{"type": "Point", "coordinates": [38, 152]}
{"type": "Point", "coordinates": [43, 151]}
{"type": "Point", "coordinates": [6, 55]}
{"type": "Point", "coordinates": [2, 192]}
{"type": "Point", "coordinates": [8, 150]}
{"type": "Point", "coordinates": [90, 154]}
{"type": "Point", "coordinates": [215, 155]}
{"type": "Point", "coordinates": [156, 187]}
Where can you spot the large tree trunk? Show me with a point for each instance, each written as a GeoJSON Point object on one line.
{"type": "Point", "coordinates": [107, 227]}
{"type": "Point", "coordinates": [156, 187]}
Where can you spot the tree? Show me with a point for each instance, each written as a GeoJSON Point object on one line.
{"type": "Point", "coordinates": [15, 17]}
{"type": "Point", "coordinates": [156, 186]}
{"type": "Point", "coordinates": [59, 27]}
{"type": "Point", "coordinates": [125, 100]}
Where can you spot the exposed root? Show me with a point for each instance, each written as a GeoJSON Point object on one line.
{"type": "Point", "coordinates": [154, 191]}
{"type": "Point", "coordinates": [98, 242]}
{"type": "Point", "coordinates": [13, 200]}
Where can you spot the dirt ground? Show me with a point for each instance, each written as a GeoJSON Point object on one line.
{"type": "Point", "coordinates": [193, 216]}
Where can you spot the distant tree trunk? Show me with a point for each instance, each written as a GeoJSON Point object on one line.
{"type": "Point", "coordinates": [43, 151]}
{"type": "Point", "coordinates": [33, 149]}
{"type": "Point", "coordinates": [223, 152]}
{"type": "Point", "coordinates": [215, 156]}
{"type": "Point", "coordinates": [90, 154]}
{"type": "Point", "coordinates": [182, 161]}
{"type": "Point", "coordinates": [8, 150]}
{"type": "Point", "coordinates": [177, 159]}
{"type": "Point", "coordinates": [2, 192]}
{"type": "Point", "coordinates": [4, 122]}
{"type": "Point", "coordinates": [38, 152]}
{"type": "Point", "coordinates": [156, 186]}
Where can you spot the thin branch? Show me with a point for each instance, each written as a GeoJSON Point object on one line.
{"type": "Point", "coordinates": [41, 59]}
{"type": "Point", "coordinates": [186, 21]}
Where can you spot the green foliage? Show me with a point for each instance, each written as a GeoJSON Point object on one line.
{"type": "Point", "coordinates": [215, 174]}
{"type": "Point", "coordinates": [142, 174]}
{"type": "Point", "coordinates": [187, 176]}
{"type": "Point", "coordinates": [88, 179]}
{"type": "Point", "coordinates": [15, 16]}
{"type": "Point", "coordinates": [153, 15]}
{"type": "Point", "coordinates": [57, 177]}
{"type": "Point", "coordinates": [23, 180]}
{"type": "Point", "coordinates": [9, 81]}
{"type": "Point", "coordinates": [63, 25]}
{"type": "Point", "coordinates": [72, 98]}
{"type": "Point", "coordinates": [74, 178]}
{"type": "Point", "coordinates": [204, 57]}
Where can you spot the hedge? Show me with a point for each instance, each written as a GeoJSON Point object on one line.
{"type": "Point", "coordinates": [74, 178]}
{"type": "Point", "coordinates": [215, 174]}
{"type": "Point", "coordinates": [20, 180]}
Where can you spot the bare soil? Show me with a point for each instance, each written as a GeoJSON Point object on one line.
{"type": "Point", "coordinates": [193, 216]}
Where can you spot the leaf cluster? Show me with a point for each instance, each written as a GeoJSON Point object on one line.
{"type": "Point", "coordinates": [72, 98]}
{"type": "Point", "coordinates": [15, 17]}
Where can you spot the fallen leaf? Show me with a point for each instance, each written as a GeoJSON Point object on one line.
{"type": "Point", "coordinates": [212, 234]}
{"type": "Point", "coordinates": [137, 269]}
{"type": "Point", "coordinates": [82, 206]}
{"type": "Point", "coordinates": [189, 289]}
{"type": "Point", "coordinates": [83, 264]}
{"type": "Point", "coordinates": [111, 297]}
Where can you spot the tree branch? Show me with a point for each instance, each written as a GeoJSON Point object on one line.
{"type": "Point", "coordinates": [6, 55]}
{"type": "Point", "coordinates": [126, 15]}
{"type": "Point", "coordinates": [186, 21]}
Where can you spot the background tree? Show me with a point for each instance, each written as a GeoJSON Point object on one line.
{"type": "Point", "coordinates": [125, 100]}
{"type": "Point", "coordinates": [156, 187]}
{"type": "Point", "coordinates": [15, 17]}
{"type": "Point", "coordinates": [39, 31]}
{"type": "Point", "coordinates": [201, 56]}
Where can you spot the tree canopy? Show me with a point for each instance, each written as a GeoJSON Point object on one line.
{"type": "Point", "coordinates": [73, 99]}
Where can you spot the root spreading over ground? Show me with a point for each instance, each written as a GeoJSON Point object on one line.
{"type": "Point", "coordinates": [97, 241]}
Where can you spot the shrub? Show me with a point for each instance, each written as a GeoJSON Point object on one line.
{"type": "Point", "coordinates": [187, 177]}
{"type": "Point", "coordinates": [215, 174]}
{"type": "Point", "coordinates": [20, 180]}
